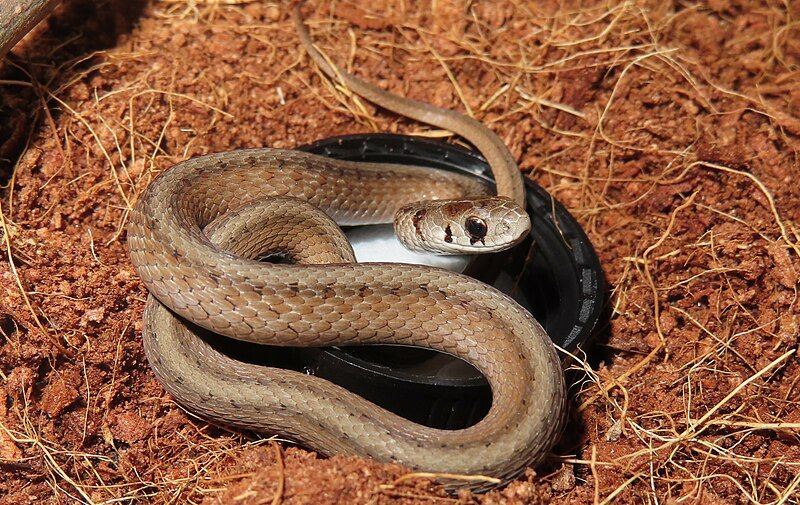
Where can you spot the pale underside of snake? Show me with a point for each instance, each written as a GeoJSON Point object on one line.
{"type": "Point", "coordinates": [195, 238]}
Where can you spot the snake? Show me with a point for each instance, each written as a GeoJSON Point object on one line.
{"type": "Point", "coordinates": [197, 238]}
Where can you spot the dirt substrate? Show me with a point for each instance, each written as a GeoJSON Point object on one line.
{"type": "Point", "coordinates": [669, 129]}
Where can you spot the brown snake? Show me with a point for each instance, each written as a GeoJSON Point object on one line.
{"type": "Point", "coordinates": [195, 236]}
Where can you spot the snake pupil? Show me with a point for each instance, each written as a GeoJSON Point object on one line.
{"type": "Point", "coordinates": [476, 227]}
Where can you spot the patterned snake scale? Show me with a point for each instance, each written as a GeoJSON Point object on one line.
{"type": "Point", "coordinates": [195, 238]}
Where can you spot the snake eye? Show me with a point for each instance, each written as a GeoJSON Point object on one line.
{"type": "Point", "coordinates": [476, 227]}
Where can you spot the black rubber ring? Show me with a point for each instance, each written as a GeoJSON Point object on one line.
{"type": "Point", "coordinates": [557, 276]}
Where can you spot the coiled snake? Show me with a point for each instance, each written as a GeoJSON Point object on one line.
{"type": "Point", "coordinates": [198, 230]}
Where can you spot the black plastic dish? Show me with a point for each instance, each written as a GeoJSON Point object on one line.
{"type": "Point", "coordinates": [555, 273]}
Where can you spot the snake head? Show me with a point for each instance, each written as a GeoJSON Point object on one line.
{"type": "Point", "coordinates": [470, 226]}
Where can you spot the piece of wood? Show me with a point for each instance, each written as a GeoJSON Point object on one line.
{"type": "Point", "coordinates": [18, 17]}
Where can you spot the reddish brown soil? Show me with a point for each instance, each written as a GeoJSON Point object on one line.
{"type": "Point", "coordinates": [669, 129]}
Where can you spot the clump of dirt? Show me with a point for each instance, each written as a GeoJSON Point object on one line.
{"type": "Point", "coordinates": [670, 131]}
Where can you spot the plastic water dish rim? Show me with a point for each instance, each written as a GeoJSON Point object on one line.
{"type": "Point", "coordinates": [583, 265]}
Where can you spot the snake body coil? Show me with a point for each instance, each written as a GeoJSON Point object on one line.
{"type": "Point", "coordinates": [195, 236]}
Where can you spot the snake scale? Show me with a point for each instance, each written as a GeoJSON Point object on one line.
{"type": "Point", "coordinates": [196, 235]}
